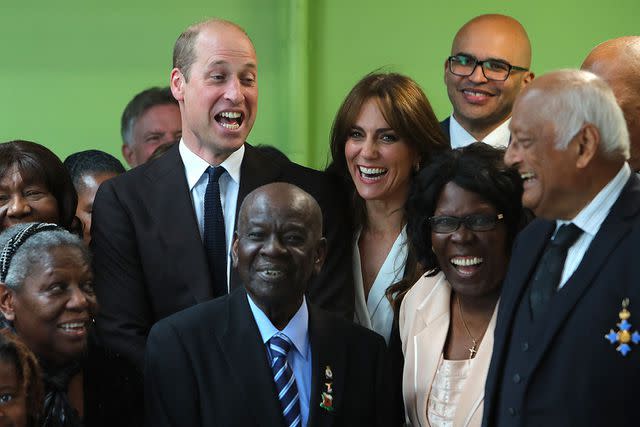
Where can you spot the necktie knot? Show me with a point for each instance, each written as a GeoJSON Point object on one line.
{"type": "Point", "coordinates": [566, 235]}
{"type": "Point", "coordinates": [279, 345]}
{"type": "Point", "coordinates": [215, 172]}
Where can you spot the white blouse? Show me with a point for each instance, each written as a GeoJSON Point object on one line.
{"type": "Point", "coordinates": [376, 313]}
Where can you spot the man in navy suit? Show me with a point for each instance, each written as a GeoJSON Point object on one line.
{"type": "Point", "coordinates": [149, 224]}
{"type": "Point", "coordinates": [567, 347]}
{"type": "Point", "coordinates": [488, 67]}
{"type": "Point", "coordinates": [221, 363]}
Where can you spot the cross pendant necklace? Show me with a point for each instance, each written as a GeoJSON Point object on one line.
{"type": "Point", "coordinates": [474, 348]}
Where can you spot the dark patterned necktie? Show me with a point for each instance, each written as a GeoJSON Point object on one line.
{"type": "Point", "coordinates": [549, 270]}
{"type": "Point", "coordinates": [214, 234]}
{"type": "Point", "coordinates": [286, 388]}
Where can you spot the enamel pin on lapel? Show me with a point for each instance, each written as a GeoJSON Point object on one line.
{"type": "Point", "coordinates": [327, 394]}
{"type": "Point", "coordinates": [623, 337]}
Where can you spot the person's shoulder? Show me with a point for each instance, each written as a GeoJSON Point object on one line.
{"type": "Point", "coordinates": [152, 169]}
{"type": "Point", "coordinates": [348, 332]}
{"type": "Point", "coordinates": [200, 318]}
{"type": "Point", "coordinates": [422, 289]}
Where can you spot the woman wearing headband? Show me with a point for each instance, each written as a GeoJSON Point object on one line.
{"type": "Point", "coordinates": [47, 298]}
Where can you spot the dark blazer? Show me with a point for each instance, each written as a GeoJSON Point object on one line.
{"type": "Point", "coordinates": [207, 366]}
{"type": "Point", "coordinates": [444, 125]}
{"type": "Point", "coordinates": [149, 261]}
{"type": "Point", "coordinates": [575, 376]}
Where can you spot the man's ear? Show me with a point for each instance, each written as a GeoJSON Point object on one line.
{"type": "Point", "coordinates": [528, 78]}
{"type": "Point", "coordinates": [320, 255]}
{"type": "Point", "coordinates": [588, 140]}
{"type": "Point", "coordinates": [177, 84]}
{"type": "Point", "coordinates": [234, 250]}
{"type": "Point", "coordinates": [127, 153]}
{"type": "Point", "coordinates": [7, 297]}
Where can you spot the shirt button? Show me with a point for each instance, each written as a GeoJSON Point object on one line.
{"type": "Point", "coordinates": [516, 378]}
{"type": "Point", "coordinates": [512, 411]}
{"type": "Point", "coordinates": [525, 346]}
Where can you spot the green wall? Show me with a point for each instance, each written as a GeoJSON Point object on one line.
{"type": "Point", "coordinates": [70, 67]}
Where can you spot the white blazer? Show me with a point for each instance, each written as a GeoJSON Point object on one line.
{"type": "Point", "coordinates": [424, 324]}
{"type": "Point", "coordinates": [376, 313]}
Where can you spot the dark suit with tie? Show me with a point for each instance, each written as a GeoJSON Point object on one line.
{"type": "Point", "coordinates": [149, 260]}
{"type": "Point", "coordinates": [559, 370]}
{"type": "Point", "coordinates": [208, 366]}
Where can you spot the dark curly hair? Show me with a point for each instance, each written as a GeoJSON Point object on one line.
{"type": "Point", "coordinates": [478, 168]}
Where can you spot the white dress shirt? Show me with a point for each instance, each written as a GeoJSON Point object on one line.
{"type": "Point", "coordinates": [589, 220]}
{"type": "Point", "coordinates": [499, 137]}
{"type": "Point", "coordinates": [195, 169]}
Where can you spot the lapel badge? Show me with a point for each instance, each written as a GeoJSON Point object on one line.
{"type": "Point", "coordinates": [623, 337]}
{"type": "Point", "coordinates": [327, 394]}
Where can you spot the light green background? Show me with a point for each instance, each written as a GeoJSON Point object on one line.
{"type": "Point", "coordinates": [69, 67]}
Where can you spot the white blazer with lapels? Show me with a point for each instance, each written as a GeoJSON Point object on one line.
{"type": "Point", "coordinates": [424, 324]}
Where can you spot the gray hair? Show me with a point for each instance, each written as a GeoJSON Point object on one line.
{"type": "Point", "coordinates": [27, 252]}
{"type": "Point", "coordinates": [579, 97]}
{"type": "Point", "coordinates": [139, 105]}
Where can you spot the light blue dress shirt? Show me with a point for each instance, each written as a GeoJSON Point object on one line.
{"type": "Point", "coordinates": [299, 358]}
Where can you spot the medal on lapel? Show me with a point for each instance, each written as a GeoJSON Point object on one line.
{"type": "Point", "coordinates": [327, 394]}
{"type": "Point", "coordinates": [623, 336]}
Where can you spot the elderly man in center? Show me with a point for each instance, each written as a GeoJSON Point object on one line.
{"type": "Point", "coordinates": [162, 232]}
{"type": "Point", "coordinates": [487, 69]}
{"type": "Point", "coordinates": [264, 355]}
{"type": "Point", "coordinates": [566, 347]}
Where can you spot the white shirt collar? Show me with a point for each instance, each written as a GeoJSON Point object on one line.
{"type": "Point", "coordinates": [459, 136]}
{"type": "Point", "coordinates": [591, 217]}
{"type": "Point", "coordinates": [195, 166]}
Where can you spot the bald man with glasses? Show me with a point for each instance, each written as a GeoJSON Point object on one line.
{"type": "Point", "coordinates": [487, 69]}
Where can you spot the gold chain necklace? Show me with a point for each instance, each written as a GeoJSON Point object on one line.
{"type": "Point", "coordinates": [474, 348]}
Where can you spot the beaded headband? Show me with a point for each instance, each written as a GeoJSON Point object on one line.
{"type": "Point", "coordinates": [16, 241]}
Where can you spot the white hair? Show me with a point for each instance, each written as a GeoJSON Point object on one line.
{"type": "Point", "coordinates": [579, 97]}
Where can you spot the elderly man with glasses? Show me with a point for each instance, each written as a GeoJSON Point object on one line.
{"type": "Point", "coordinates": [488, 67]}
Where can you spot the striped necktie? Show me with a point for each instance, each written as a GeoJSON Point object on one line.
{"type": "Point", "coordinates": [280, 345]}
{"type": "Point", "coordinates": [214, 235]}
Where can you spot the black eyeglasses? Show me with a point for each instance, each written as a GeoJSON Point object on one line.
{"type": "Point", "coordinates": [449, 224]}
{"type": "Point", "coordinates": [465, 65]}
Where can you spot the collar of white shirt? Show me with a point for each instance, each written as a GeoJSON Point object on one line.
{"type": "Point", "coordinates": [499, 137]}
{"type": "Point", "coordinates": [591, 217]}
{"type": "Point", "coordinates": [195, 166]}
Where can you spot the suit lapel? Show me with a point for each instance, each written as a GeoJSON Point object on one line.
{"type": "Point", "coordinates": [247, 356]}
{"type": "Point", "coordinates": [521, 266]}
{"type": "Point", "coordinates": [170, 204]}
{"type": "Point", "coordinates": [612, 230]}
{"type": "Point", "coordinates": [324, 354]}
{"type": "Point", "coordinates": [429, 343]}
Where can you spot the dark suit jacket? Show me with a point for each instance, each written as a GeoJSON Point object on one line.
{"type": "Point", "coordinates": [149, 261]}
{"type": "Point", "coordinates": [444, 125]}
{"type": "Point", "coordinates": [207, 366]}
{"type": "Point", "coordinates": [577, 377]}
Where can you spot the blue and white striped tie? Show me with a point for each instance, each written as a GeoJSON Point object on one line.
{"type": "Point", "coordinates": [280, 345]}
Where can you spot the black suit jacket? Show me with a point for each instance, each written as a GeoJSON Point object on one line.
{"type": "Point", "coordinates": [444, 125]}
{"type": "Point", "coordinates": [207, 366]}
{"type": "Point", "coordinates": [577, 377]}
{"type": "Point", "coordinates": [149, 261]}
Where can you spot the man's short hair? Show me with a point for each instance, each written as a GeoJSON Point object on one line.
{"type": "Point", "coordinates": [581, 97]}
{"type": "Point", "coordinates": [91, 162]}
{"type": "Point", "coordinates": [184, 49]}
{"type": "Point", "coordinates": [139, 105]}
